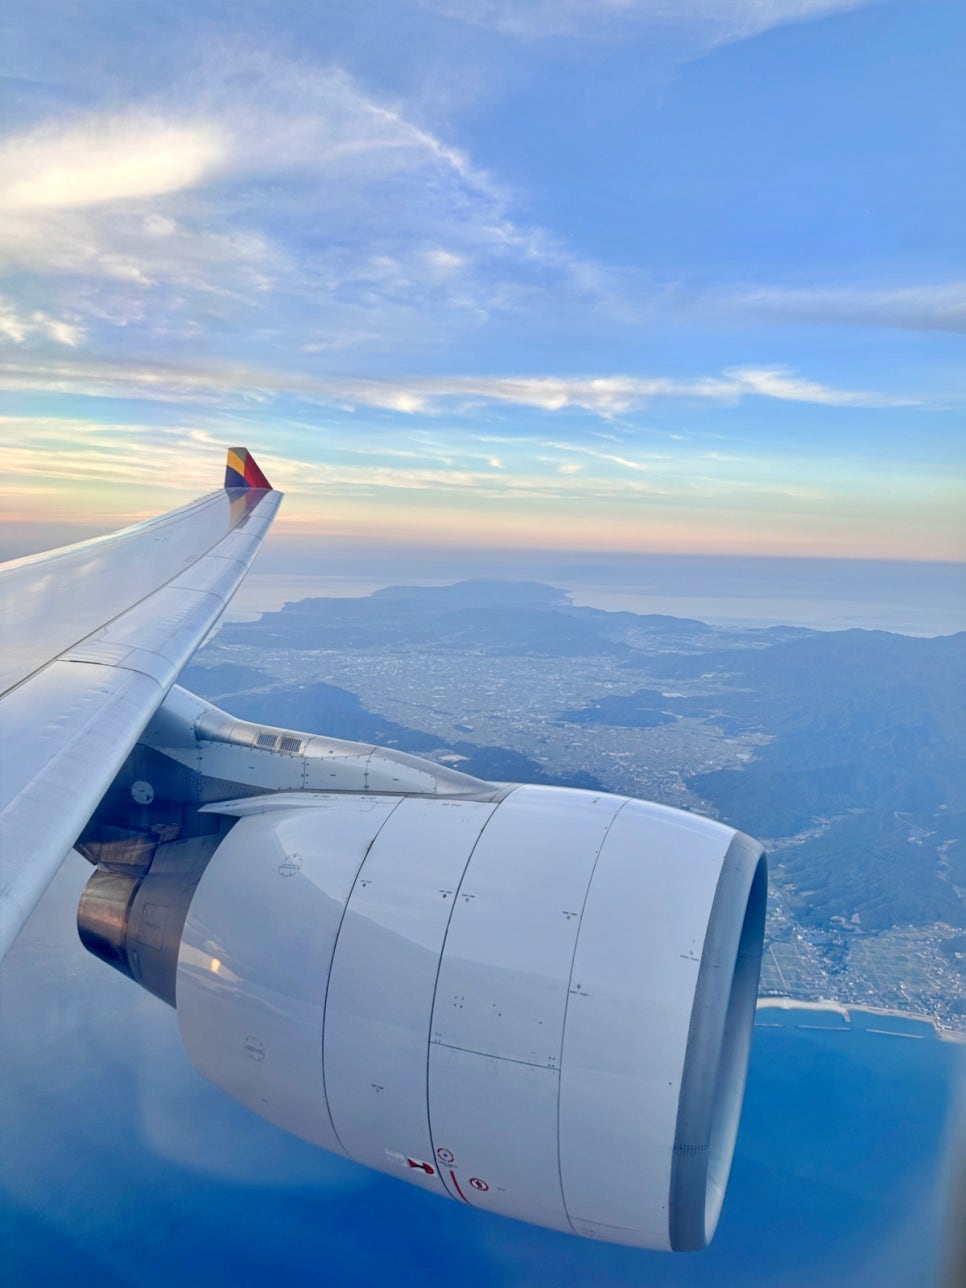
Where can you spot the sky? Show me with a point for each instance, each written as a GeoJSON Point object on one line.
{"type": "Point", "coordinates": [679, 276]}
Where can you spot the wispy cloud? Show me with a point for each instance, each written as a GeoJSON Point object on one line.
{"type": "Point", "coordinates": [440, 487]}
{"type": "Point", "coordinates": [711, 21]}
{"type": "Point", "coordinates": [42, 453]}
{"type": "Point", "coordinates": [303, 220]}
{"type": "Point", "coordinates": [300, 209]}
{"type": "Point", "coordinates": [918, 307]}
{"type": "Point", "coordinates": [18, 327]}
{"type": "Point", "coordinates": [599, 395]}
{"type": "Point", "coordinates": [777, 382]}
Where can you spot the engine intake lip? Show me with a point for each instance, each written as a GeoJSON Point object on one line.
{"type": "Point", "coordinates": [718, 1048]}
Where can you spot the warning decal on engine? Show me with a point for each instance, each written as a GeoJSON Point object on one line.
{"type": "Point", "coordinates": [414, 1164]}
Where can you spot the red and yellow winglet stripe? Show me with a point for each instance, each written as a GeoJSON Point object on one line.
{"type": "Point", "coordinates": [242, 471]}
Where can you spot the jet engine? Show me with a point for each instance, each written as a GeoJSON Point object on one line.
{"type": "Point", "coordinates": [535, 1000]}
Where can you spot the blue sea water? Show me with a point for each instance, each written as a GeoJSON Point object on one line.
{"type": "Point", "coordinates": [122, 1166]}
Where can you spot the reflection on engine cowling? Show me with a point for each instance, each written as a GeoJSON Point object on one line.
{"type": "Point", "coordinates": [540, 1005]}
{"type": "Point", "coordinates": [132, 919]}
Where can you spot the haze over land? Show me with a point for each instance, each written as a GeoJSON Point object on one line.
{"type": "Point", "coordinates": [912, 598]}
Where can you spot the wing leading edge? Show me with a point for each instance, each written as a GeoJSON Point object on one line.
{"type": "Point", "coordinates": [95, 635]}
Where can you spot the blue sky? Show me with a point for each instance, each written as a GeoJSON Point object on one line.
{"type": "Point", "coordinates": [590, 274]}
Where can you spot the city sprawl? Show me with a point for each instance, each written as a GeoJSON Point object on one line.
{"type": "Point", "coordinates": [842, 751]}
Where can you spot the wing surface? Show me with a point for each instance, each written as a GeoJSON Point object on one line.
{"type": "Point", "coordinates": [94, 636]}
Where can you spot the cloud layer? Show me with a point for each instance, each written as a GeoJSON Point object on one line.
{"type": "Point", "coordinates": [442, 483]}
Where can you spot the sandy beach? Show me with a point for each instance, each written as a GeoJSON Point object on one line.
{"type": "Point", "coordinates": [794, 1004]}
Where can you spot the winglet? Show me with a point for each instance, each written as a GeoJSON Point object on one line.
{"type": "Point", "coordinates": [242, 471]}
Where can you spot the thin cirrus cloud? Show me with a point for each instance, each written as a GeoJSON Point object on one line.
{"type": "Point", "coordinates": [303, 207]}
{"type": "Point", "coordinates": [41, 451]}
{"type": "Point", "coordinates": [326, 221]}
{"type": "Point", "coordinates": [927, 307]}
{"type": "Point", "coordinates": [710, 22]}
{"type": "Point", "coordinates": [603, 396]}
{"type": "Point", "coordinates": [682, 500]}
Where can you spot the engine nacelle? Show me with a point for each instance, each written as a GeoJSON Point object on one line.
{"type": "Point", "coordinates": [539, 1004]}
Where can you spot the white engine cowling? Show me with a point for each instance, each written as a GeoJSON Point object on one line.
{"type": "Point", "coordinates": [540, 1005]}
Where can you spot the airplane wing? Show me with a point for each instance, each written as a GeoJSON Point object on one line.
{"type": "Point", "coordinates": [94, 636]}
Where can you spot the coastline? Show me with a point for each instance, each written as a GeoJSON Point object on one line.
{"type": "Point", "coordinates": [845, 1011]}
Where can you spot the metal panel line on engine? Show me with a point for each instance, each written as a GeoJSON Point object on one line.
{"type": "Point", "coordinates": [570, 984]}
{"type": "Point", "coordinates": [432, 1009]}
{"type": "Point", "coordinates": [328, 973]}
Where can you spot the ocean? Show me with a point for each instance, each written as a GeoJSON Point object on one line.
{"type": "Point", "coordinates": [122, 1166]}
